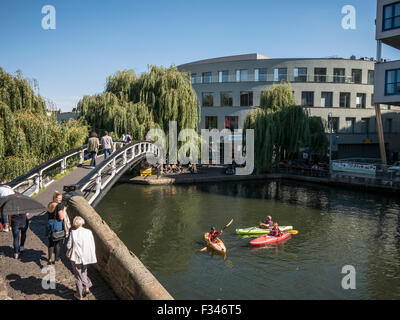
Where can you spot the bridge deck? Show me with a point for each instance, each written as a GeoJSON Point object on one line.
{"type": "Point", "coordinates": [23, 277]}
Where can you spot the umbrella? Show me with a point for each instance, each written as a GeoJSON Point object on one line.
{"type": "Point", "coordinates": [18, 204]}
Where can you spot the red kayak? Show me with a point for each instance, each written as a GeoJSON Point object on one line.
{"type": "Point", "coordinates": [266, 239]}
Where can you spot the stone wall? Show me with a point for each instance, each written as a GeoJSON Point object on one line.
{"type": "Point", "coordinates": [122, 270]}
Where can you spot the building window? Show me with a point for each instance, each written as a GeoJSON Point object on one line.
{"type": "Point", "coordinates": [372, 100]}
{"type": "Point", "coordinates": [356, 75]}
{"type": "Point", "coordinates": [226, 99]}
{"type": "Point", "coordinates": [223, 76]}
{"type": "Point", "coordinates": [371, 77]}
{"type": "Point", "coordinates": [194, 78]}
{"type": "Point", "coordinates": [320, 74]}
{"type": "Point", "coordinates": [307, 98]}
{"type": "Point", "coordinates": [211, 123]}
{"type": "Point", "coordinates": [339, 75]}
{"type": "Point", "coordinates": [365, 125]}
{"type": "Point", "coordinates": [280, 74]}
{"type": "Point", "coordinates": [232, 123]}
{"type": "Point", "coordinates": [391, 16]}
{"type": "Point", "coordinates": [326, 99]}
{"type": "Point", "coordinates": [392, 82]}
{"type": "Point", "coordinates": [344, 100]}
{"type": "Point", "coordinates": [207, 77]}
{"type": "Point", "coordinates": [334, 122]}
{"type": "Point", "coordinates": [300, 74]}
{"type": "Point", "coordinates": [208, 99]}
{"type": "Point", "coordinates": [361, 101]}
{"type": "Point", "coordinates": [388, 125]}
{"type": "Point", "coordinates": [350, 125]}
{"type": "Point", "coordinates": [246, 98]}
{"type": "Point", "coordinates": [241, 75]}
{"type": "Point", "coordinates": [260, 74]}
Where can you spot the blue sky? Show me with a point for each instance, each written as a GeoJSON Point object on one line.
{"type": "Point", "coordinates": [95, 38]}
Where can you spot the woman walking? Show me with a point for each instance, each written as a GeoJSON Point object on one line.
{"type": "Point", "coordinates": [82, 252]}
{"type": "Point", "coordinates": [55, 227]}
{"type": "Point", "coordinates": [93, 148]}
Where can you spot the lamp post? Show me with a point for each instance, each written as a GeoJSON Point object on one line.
{"type": "Point", "coordinates": [330, 141]}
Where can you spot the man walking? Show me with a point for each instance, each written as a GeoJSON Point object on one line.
{"type": "Point", "coordinates": [107, 144]}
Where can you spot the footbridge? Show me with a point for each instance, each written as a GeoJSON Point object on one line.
{"type": "Point", "coordinates": [118, 272]}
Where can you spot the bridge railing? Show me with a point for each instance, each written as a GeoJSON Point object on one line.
{"type": "Point", "coordinates": [100, 177]}
{"type": "Point", "coordinates": [35, 179]}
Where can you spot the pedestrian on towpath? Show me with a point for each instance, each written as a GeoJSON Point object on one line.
{"type": "Point", "coordinates": [4, 192]}
{"type": "Point", "coordinates": [55, 227]}
{"type": "Point", "coordinates": [82, 252]}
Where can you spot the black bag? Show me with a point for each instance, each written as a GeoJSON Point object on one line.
{"type": "Point", "coordinates": [58, 235]}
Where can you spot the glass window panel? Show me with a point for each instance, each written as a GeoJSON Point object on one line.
{"type": "Point", "coordinates": [326, 99]}
{"type": "Point", "coordinates": [211, 123]}
{"type": "Point", "coordinates": [388, 12]}
{"type": "Point", "coordinates": [397, 9]}
{"type": "Point", "coordinates": [243, 75]}
{"type": "Point", "coordinates": [282, 74]}
{"type": "Point", "coordinates": [262, 75]}
{"type": "Point", "coordinates": [226, 99]}
{"type": "Point", "coordinates": [237, 75]}
{"type": "Point", "coordinates": [208, 99]}
{"type": "Point", "coordinates": [256, 74]}
{"type": "Point", "coordinates": [307, 98]}
{"type": "Point", "coordinates": [387, 24]}
{"type": "Point", "coordinates": [396, 22]}
{"type": "Point", "coordinates": [246, 99]}
{"type": "Point", "coordinates": [207, 77]}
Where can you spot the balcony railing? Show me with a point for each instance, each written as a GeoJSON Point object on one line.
{"type": "Point", "coordinates": [273, 78]}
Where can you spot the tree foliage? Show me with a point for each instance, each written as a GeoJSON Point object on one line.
{"type": "Point", "coordinates": [135, 105]}
{"type": "Point", "coordinates": [281, 128]}
{"type": "Point", "coordinates": [28, 136]}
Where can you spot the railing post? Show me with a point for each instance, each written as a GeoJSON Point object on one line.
{"type": "Point", "coordinates": [63, 165]}
{"type": "Point", "coordinates": [40, 179]}
{"type": "Point", "coordinates": [125, 157]}
{"type": "Point", "coordinates": [98, 182]}
{"type": "Point", "coordinates": [37, 184]}
{"type": "Point", "coordinates": [113, 167]}
{"type": "Point", "coordinates": [82, 156]}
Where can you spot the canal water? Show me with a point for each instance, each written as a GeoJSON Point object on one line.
{"type": "Point", "coordinates": [164, 227]}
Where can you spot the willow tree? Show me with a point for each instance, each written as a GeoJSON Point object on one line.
{"type": "Point", "coordinates": [28, 136]}
{"type": "Point", "coordinates": [281, 128]}
{"type": "Point", "coordinates": [136, 105]}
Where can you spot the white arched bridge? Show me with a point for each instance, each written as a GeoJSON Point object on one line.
{"type": "Point", "coordinates": [91, 183]}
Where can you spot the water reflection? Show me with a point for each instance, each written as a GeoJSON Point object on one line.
{"type": "Point", "coordinates": [164, 227]}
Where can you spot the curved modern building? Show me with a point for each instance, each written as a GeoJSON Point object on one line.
{"type": "Point", "coordinates": [228, 88]}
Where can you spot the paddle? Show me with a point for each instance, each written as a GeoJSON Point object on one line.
{"type": "Point", "coordinates": [228, 224]}
{"type": "Point", "coordinates": [293, 231]}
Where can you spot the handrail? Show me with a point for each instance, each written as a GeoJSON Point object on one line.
{"type": "Point", "coordinates": [129, 153]}
{"type": "Point", "coordinates": [36, 173]}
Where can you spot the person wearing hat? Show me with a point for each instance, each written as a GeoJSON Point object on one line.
{"type": "Point", "coordinates": [213, 234]}
{"type": "Point", "coordinates": [268, 223]}
{"type": "Point", "coordinates": [276, 232]}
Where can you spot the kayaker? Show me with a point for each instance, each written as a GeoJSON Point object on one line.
{"type": "Point", "coordinates": [276, 232]}
{"type": "Point", "coordinates": [268, 223]}
{"type": "Point", "coordinates": [213, 234]}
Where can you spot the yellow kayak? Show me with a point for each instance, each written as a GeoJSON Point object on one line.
{"type": "Point", "coordinates": [217, 245]}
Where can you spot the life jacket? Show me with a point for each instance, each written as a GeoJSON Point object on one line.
{"type": "Point", "coordinates": [276, 232]}
{"type": "Point", "coordinates": [212, 235]}
{"type": "Point", "coordinates": [269, 223]}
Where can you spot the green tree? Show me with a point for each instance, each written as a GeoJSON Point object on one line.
{"type": "Point", "coordinates": [281, 128]}
{"type": "Point", "coordinates": [28, 136]}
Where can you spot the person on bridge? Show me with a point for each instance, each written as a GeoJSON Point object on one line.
{"type": "Point", "coordinates": [93, 148]}
{"type": "Point", "coordinates": [107, 144]}
{"type": "Point", "coordinates": [55, 215]}
{"type": "Point", "coordinates": [82, 251]}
